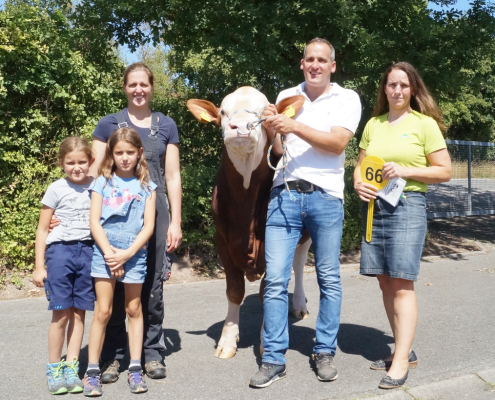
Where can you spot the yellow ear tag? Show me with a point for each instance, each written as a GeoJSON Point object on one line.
{"type": "Point", "coordinates": [289, 112]}
{"type": "Point", "coordinates": [205, 117]}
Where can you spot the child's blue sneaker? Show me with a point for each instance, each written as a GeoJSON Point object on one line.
{"type": "Point", "coordinates": [71, 377]}
{"type": "Point", "coordinates": [55, 378]}
{"type": "Point", "coordinates": [92, 385]}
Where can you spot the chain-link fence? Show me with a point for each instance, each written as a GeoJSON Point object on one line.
{"type": "Point", "coordinates": [471, 191]}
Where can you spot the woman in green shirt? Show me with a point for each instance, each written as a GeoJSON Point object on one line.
{"type": "Point", "coordinates": [406, 132]}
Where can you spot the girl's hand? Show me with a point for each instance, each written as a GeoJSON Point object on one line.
{"type": "Point", "coordinates": [39, 276]}
{"type": "Point", "coordinates": [392, 170]}
{"type": "Point", "coordinates": [118, 258]}
{"type": "Point", "coordinates": [174, 237]}
{"type": "Point", "coordinates": [365, 191]}
{"type": "Point", "coordinates": [117, 272]}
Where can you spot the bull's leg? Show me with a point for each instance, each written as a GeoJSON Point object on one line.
{"type": "Point", "coordinates": [298, 308]}
{"type": "Point", "coordinates": [227, 345]}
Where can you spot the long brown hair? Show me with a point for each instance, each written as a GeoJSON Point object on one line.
{"type": "Point", "coordinates": [421, 100]}
{"type": "Point", "coordinates": [108, 167]}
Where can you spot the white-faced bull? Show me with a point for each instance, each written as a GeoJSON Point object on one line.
{"type": "Point", "coordinates": [240, 201]}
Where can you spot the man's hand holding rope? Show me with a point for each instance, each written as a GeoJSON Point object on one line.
{"type": "Point", "coordinates": [270, 112]}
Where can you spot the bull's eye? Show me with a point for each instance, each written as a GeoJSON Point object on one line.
{"type": "Point", "coordinates": [222, 113]}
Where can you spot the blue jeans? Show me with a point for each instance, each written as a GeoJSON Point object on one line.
{"type": "Point", "coordinates": [322, 215]}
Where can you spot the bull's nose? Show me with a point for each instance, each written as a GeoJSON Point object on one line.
{"type": "Point", "coordinates": [245, 132]}
{"type": "Point", "coordinates": [241, 128]}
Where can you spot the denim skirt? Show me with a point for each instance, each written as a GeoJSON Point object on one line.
{"type": "Point", "coordinates": [134, 268]}
{"type": "Point", "coordinates": [398, 237]}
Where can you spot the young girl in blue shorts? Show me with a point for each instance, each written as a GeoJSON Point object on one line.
{"type": "Point", "coordinates": [67, 277]}
{"type": "Point", "coordinates": [122, 221]}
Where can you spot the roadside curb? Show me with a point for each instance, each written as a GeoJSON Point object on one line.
{"type": "Point", "coordinates": [474, 384]}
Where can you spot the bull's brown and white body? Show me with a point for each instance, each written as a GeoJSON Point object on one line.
{"type": "Point", "coordinates": [240, 201]}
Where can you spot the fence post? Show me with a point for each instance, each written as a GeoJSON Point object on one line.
{"type": "Point", "coordinates": [469, 178]}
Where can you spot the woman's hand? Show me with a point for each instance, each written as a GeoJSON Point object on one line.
{"type": "Point", "coordinates": [39, 277]}
{"type": "Point", "coordinates": [174, 237]}
{"type": "Point", "coordinates": [365, 191]}
{"type": "Point", "coordinates": [54, 221]}
{"type": "Point", "coordinates": [393, 170]}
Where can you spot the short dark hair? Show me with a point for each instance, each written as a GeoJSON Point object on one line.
{"type": "Point", "coordinates": [320, 40]}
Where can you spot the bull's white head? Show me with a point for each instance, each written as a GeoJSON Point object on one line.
{"type": "Point", "coordinates": [240, 117]}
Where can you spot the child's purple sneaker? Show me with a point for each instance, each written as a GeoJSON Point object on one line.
{"type": "Point", "coordinates": [136, 381]}
{"type": "Point", "coordinates": [92, 385]}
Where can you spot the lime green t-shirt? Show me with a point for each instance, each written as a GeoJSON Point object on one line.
{"type": "Point", "coordinates": [407, 143]}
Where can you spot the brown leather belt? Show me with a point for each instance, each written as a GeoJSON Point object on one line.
{"type": "Point", "coordinates": [300, 185]}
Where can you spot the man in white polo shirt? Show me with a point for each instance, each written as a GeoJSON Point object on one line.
{"type": "Point", "coordinates": [316, 139]}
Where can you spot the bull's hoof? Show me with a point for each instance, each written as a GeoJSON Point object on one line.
{"type": "Point", "coordinates": [300, 314]}
{"type": "Point", "coordinates": [225, 352]}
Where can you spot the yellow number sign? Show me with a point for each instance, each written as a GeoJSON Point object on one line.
{"type": "Point", "coordinates": [371, 172]}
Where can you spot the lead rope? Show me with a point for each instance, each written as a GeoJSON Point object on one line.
{"type": "Point", "coordinates": [284, 162]}
{"type": "Point", "coordinates": [254, 125]}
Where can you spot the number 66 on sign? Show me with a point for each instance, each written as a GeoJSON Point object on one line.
{"type": "Point", "coordinates": [371, 172]}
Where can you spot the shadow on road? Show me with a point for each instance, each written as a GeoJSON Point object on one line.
{"type": "Point", "coordinates": [367, 342]}
{"type": "Point", "coordinates": [251, 320]}
{"type": "Point", "coordinates": [172, 341]}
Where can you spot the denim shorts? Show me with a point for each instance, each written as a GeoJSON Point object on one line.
{"type": "Point", "coordinates": [134, 268]}
{"type": "Point", "coordinates": [398, 237]}
{"type": "Point", "coordinates": [68, 268]}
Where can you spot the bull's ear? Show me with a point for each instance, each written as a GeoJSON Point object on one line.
{"type": "Point", "coordinates": [204, 111]}
{"type": "Point", "coordinates": [290, 106]}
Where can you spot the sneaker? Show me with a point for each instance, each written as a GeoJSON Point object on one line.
{"type": "Point", "coordinates": [110, 371]}
{"type": "Point", "coordinates": [267, 374]}
{"type": "Point", "coordinates": [136, 381]}
{"type": "Point", "coordinates": [325, 370]}
{"type": "Point", "coordinates": [155, 370]}
{"type": "Point", "coordinates": [92, 385]}
{"type": "Point", "coordinates": [71, 376]}
{"type": "Point", "coordinates": [55, 378]}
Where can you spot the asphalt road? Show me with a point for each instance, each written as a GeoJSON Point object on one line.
{"type": "Point", "coordinates": [453, 196]}
{"type": "Point", "coordinates": [454, 340]}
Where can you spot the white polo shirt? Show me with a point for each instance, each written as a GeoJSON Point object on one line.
{"type": "Point", "coordinates": [339, 107]}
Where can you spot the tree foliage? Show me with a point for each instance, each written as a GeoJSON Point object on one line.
{"type": "Point", "coordinates": [58, 76]}
{"type": "Point", "coordinates": [215, 47]}
{"type": "Point", "coordinates": [53, 84]}
{"type": "Point", "coordinates": [219, 46]}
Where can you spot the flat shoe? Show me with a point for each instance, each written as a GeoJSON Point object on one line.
{"type": "Point", "coordinates": [389, 383]}
{"type": "Point", "coordinates": [382, 365]}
